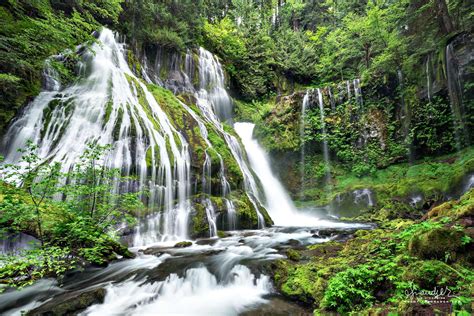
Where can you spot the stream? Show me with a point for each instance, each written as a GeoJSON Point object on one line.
{"type": "Point", "coordinates": [213, 276]}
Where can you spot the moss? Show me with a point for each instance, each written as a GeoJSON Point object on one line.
{"type": "Point", "coordinates": [183, 244]}
{"type": "Point", "coordinates": [108, 111]}
{"type": "Point", "coordinates": [134, 63]}
{"type": "Point", "coordinates": [118, 125]}
{"type": "Point", "coordinates": [441, 243]}
{"type": "Point", "coordinates": [221, 234]}
{"type": "Point", "coordinates": [246, 214]}
{"type": "Point", "coordinates": [200, 225]}
{"type": "Point", "coordinates": [293, 255]}
{"type": "Point", "coordinates": [463, 207]}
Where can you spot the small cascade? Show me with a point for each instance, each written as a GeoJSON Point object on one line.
{"type": "Point", "coordinates": [456, 97]}
{"type": "Point", "coordinates": [194, 293]}
{"type": "Point", "coordinates": [304, 107]}
{"type": "Point", "coordinates": [358, 92]}
{"type": "Point", "coordinates": [364, 195]}
{"type": "Point", "coordinates": [211, 79]}
{"type": "Point", "coordinates": [211, 217]}
{"type": "Point", "coordinates": [348, 86]}
{"type": "Point", "coordinates": [217, 102]}
{"type": "Point", "coordinates": [325, 147]}
{"type": "Point", "coordinates": [406, 118]}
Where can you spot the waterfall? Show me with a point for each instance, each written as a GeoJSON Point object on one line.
{"type": "Point", "coordinates": [304, 107]}
{"type": "Point", "coordinates": [109, 105]}
{"type": "Point", "coordinates": [331, 99]}
{"type": "Point", "coordinates": [215, 104]}
{"type": "Point", "coordinates": [348, 85]}
{"type": "Point", "coordinates": [406, 118]}
{"type": "Point", "coordinates": [358, 92]}
{"type": "Point", "coordinates": [327, 162]}
{"type": "Point", "coordinates": [278, 203]}
{"type": "Point", "coordinates": [212, 88]}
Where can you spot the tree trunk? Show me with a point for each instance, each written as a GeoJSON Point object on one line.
{"type": "Point", "coordinates": [444, 17]}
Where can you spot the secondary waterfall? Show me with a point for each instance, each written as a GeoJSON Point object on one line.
{"type": "Point", "coordinates": [327, 161]}
{"type": "Point", "coordinates": [304, 107]}
{"type": "Point", "coordinates": [278, 203]}
{"type": "Point", "coordinates": [217, 101]}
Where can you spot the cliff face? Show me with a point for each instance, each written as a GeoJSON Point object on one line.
{"type": "Point", "coordinates": [368, 125]}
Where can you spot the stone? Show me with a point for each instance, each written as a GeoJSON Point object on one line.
{"type": "Point", "coordinates": [70, 303]}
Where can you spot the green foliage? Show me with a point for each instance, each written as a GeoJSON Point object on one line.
{"type": "Point", "coordinates": [80, 224]}
{"type": "Point", "coordinates": [171, 24]}
{"type": "Point", "coordinates": [375, 268]}
{"type": "Point", "coordinates": [23, 269]}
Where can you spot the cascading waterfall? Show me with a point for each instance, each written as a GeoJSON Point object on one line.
{"type": "Point", "coordinates": [278, 203]}
{"type": "Point", "coordinates": [358, 92]}
{"type": "Point", "coordinates": [304, 107]}
{"type": "Point", "coordinates": [348, 85]}
{"type": "Point", "coordinates": [212, 87]}
{"type": "Point", "coordinates": [215, 106]}
{"type": "Point", "coordinates": [216, 101]}
{"type": "Point", "coordinates": [104, 107]}
{"type": "Point", "coordinates": [327, 161]}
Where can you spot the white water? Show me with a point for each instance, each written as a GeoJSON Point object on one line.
{"type": "Point", "coordinates": [79, 118]}
{"type": "Point", "coordinates": [327, 161]}
{"type": "Point", "coordinates": [278, 202]}
{"type": "Point", "coordinates": [363, 195]}
{"type": "Point", "coordinates": [196, 293]}
{"type": "Point", "coordinates": [216, 100]}
{"type": "Point", "coordinates": [428, 78]}
{"type": "Point", "coordinates": [304, 107]}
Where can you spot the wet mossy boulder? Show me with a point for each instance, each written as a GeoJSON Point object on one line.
{"type": "Point", "coordinates": [439, 243]}
{"type": "Point", "coordinates": [293, 255]}
{"type": "Point", "coordinates": [183, 244]}
{"type": "Point", "coordinates": [70, 303]}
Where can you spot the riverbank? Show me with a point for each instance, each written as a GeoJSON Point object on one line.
{"type": "Point", "coordinates": [382, 270]}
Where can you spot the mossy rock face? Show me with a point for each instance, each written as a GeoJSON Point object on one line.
{"type": "Point", "coordinates": [199, 223]}
{"type": "Point", "coordinates": [440, 243]}
{"type": "Point", "coordinates": [70, 303]}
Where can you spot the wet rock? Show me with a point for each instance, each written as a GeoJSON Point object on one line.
{"type": "Point", "coordinates": [70, 303]}
{"type": "Point", "coordinates": [278, 307]}
{"type": "Point", "coordinates": [183, 244]}
{"type": "Point", "coordinates": [156, 251]}
{"type": "Point", "coordinates": [207, 242]}
{"type": "Point", "coordinates": [293, 243]}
